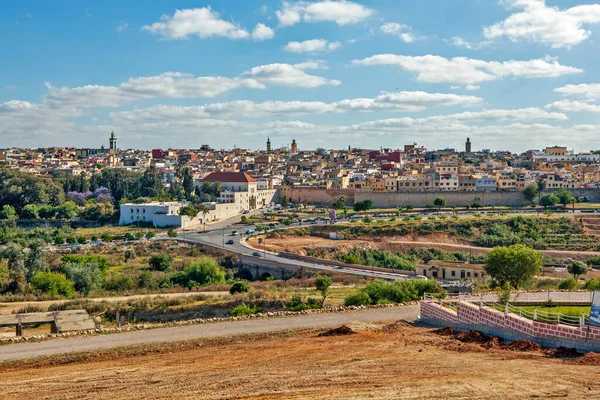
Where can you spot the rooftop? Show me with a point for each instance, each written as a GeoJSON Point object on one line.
{"type": "Point", "coordinates": [228, 177]}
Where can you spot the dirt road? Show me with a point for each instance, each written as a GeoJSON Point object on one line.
{"type": "Point", "coordinates": [399, 362]}
{"type": "Point", "coordinates": [102, 342]}
{"type": "Point", "coordinates": [9, 307]}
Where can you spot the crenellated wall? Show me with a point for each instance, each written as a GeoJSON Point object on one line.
{"type": "Point", "coordinates": [509, 326]}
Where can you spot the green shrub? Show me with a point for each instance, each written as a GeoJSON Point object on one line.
{"type": "Point", "coordinates": [171, 233]}
{"type": "Point", "coordinates": [71, 240]}
{"type": "Point", "coordinates": [82, 239]}
{"type": "Point", "coordinates": [161, 262]}
{"type": "Point", "coordinates": [205, 271]}
{"type": "Point", "coordinates": [568, 284]}
{"type": "Point", "coordinates": [53, 283]}
{"type": "Point", "coordinates": [119, 283]}
{"type": "Point", "coordinates": [150, 235]}
{"type": "Point", "coordinates": [244, 309]}
{"type": "Point", "coordinates": [146, 280]}
{"type": "Point", "coordinates": [129, 236]}
{"type": "Point", "coordinates": [592, 284]}
{"type": "Point", "coordinates": [379, 291]}
{"type": "Point", "coordinates": [106, 237]}
{"type": "Point", "coordinates": [59, 239]}
{"type": "Point", "coordinates": [85, 259]}
{"type": "Point", "coordinates": [130, 254]}
{"type": "Point", "coordinates": [239, 287]}
{"type": "Point", "coordinates": [359, 298]}
{"type": "Point", "coordinates": [86, 277]}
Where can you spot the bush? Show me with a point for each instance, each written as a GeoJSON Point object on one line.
{"type": "Point", "coordinates": [359, 298]}
{"type": "Point", "coordinates": [150, 235]}
{"type": "Point", "coordinates": [81, 259]}
{"type": "Point", "coordinates": [130, 254]}
{"type": "Point", "coordinates": [129, 236]}
{"type": "Point", "coordinates": [171, 233]}
{"type": "Point", "coordinates": [82, 240]}
{"type": "Point", "coordinates": [161, 262]}
{"type": "Point", "coordinates": [94, 238]}
{"type": "Point", "coordinates": [379, 292]}
{"type": "Point", "coordinates": [119, 283]}
{"type": "Point", "coordinates": [53, 283]}
{"type": "Point", "coordinates": [146, 280]}
{"type": "Point", "coordinates": [105, 237]}
{"type": "Point", "coordinates": [592, 284]}
{"type": "Point", "coordinates": [568, 284]}
{"type": "Point", "coordinates": [239, 287]}
{"type": "Point", "coordinates": [59, 239]}
{"type": "Point", "coordinates": [71, 240]}
{"type": "Point", "coordinates": [86, 277]}
{"type": "Point", "coordinates": [205, 271]}
{"type": "Point", "coordinates": [244, 309]}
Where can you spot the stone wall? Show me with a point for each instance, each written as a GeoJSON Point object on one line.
{"type": "Point", "coordinates": [510, 326]}
{"type": "Point", "coordinates": [453, 199]}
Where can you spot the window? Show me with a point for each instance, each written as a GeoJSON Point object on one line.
{"type": "Point", "coordinates": [468, 274]}
{"type": "Point", "coordinates": [475, 274]}
{"type": "Point", "coordinates": [132, 216]}
{"type": "Point", "coordinates": [453, 273]}
{"type": "Point", "coordinates": [131, 210]}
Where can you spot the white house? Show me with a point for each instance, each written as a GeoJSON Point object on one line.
{"type": "Point", "coordinates": [242, 190]}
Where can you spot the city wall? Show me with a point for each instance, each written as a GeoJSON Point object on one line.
{"type": "Point", "coordinates": [416, 199]}
{"type": "Point", "coordinates": [510, 326]}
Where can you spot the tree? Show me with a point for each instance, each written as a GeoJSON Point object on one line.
{"type": "Point", "coordinates": [284, 202]}
{"type": "Point", "coordinates": [67, 211]}
{"type": "Point", "coordinates": [363, 205]}
{"type": "Point", "coordinates": [189, 210]}
{"type": "Point", "coordinates": [172, 233]}
{"type": "Point", "coordinates": [565, 197]}
{"type": "Point", "coordinates": [548, 200]}
{"type": "Point", "coordinates": [531, 192]}
{"type": "Point", "coordinates": [8, 212]}
{"type": "Point", "coordinates": [205, 271]}
{"type": "Point", "coordinates": [47, 212]}
{"type": "Point", "coordinates": [36, 258]}
{"type": "Point", "coordinates": [30, 211]}
{"type": "Point", "coordinates": [577, 268]}
{"type": "Point", "coordinates": [476, 204]}
{"type": "Point", "coordinates": [161, 262]}
{"type": "Point", "coordinates": [512, 265]}
{"type": "Point", "coordinates": [439, 202]}
{"type": "Point", "coordinates": [188, 182]}
{"type": "Point", "coordinates": [15, 257]}
{"type": "Point", "coordinates": [322, 284]}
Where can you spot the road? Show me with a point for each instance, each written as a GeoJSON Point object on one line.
{"type": "Point", "coordinates": [21, 351]}
{"type": "Point", "coordinates": [219, 233]}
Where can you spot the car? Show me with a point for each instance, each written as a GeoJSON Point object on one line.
{"type": "Point", "coordinates": [234, 233]}
{"type": "Point", "coordinates": [256, 254]}
{"type": "Point", "coordinates": [229, 241]}
{"type": "Point", "coordinates": [246, 211]}
{"type": "Point", "coordinates": [250, 231]}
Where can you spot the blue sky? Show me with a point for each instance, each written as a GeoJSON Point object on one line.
{"type": "Point", "coordinates": [510, 74]}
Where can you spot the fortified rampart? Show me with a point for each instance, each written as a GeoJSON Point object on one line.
{"type": "Point", "coordinates": [416, 199]}
{"type": "Point", "coordinates": [509, 326]}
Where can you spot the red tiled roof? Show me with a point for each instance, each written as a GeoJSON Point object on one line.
{"type": "Point", "coordinates": [228, 177]}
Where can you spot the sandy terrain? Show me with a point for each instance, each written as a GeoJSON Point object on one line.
{"type": "Point", "coordinates": [375, 363]}
{"type": "Point", "coordinates": [299, 244]}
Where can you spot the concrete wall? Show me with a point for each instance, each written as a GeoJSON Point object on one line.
{"type": "Point", "coordinates": [510, 326]}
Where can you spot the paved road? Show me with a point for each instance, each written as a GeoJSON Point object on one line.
{"type": "Point", "coordinates": [219, 236]}
{"type": "Point", "coordinates": [21, 351]}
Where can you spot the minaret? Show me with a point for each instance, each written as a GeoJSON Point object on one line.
{"type": "Point", "coordinates": [468, 146]}
{"type": "Point", "coordinates": [294, 146]}
{"type": "Point", "coordinates": [268, 145]}
{"type": "Point", "coordinates": [112, 143]}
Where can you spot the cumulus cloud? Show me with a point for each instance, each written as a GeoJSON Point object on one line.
{"type": "Point", "coordinates": [589, 90]}
{"type": "Point", "coordinates": [404, 32]}
{"type": "Point", "coordinates": [262, 32]}
{"type": "Point", "coordinates": [539, 23]}
{"type": "Point", "coordinates": [464, 70]}
{"type": "Point", "coordinates": [312, 46]}
{"type": "Point", "coordinates": [288, 75]}
{"type": "Point", "coordinates": [340, 12]}
{"type": "Point", "coordinates": [201, 22]}
{"type": "Point", "coordinates": [568, 105]}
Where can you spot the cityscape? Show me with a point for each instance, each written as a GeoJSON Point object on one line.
{"type": "Point", "coordinates": [333, 199]}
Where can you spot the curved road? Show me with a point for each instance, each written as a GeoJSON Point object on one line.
{"type": "Point", "coordinates": [62, 346]}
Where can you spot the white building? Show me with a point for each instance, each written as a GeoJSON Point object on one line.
{"type": "Point", "coordinates": [242, 190]}
{"type": "Point", "coordinates": [486, 184]}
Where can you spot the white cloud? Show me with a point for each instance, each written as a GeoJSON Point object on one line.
{"type": "Point", "coordinates": [589, 90]}
{"type": "Point", "coordinates": [568, 105]}
{"type": "Point", "coordinates": [262, 32]}
{"type": "Point", "coordinates": [288, 75]}
{"type": "Point", "coordinates": [539, 23]}
{"type": "Point", "coordinates": [400, 30]}
{"type": "Point", "coordinates": [464, 70]}
{"type": "Point", "coordinates": [460, 42]}
{"type": "Point", "coordinates": [123, 26]}
{"type": "Point", "coordinates": [400, 101]}
{"type": "Point", "coordinates": [472, 87]}
{"type": "Point", "coordinates": [201, 22]}
{"type": "Point", "coordinates": [312, 46]}
{"type": "Point", "coordinates": [340, 12]}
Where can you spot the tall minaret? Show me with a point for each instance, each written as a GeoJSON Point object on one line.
{"type": "Point", "coordinates": [268, 145]}
{"type": "Point", "coordinates": [294, 146]}
{"type": "Point", "coordinates": [468, 146]}
{"type": "Point", "coordinates": [112, 143]}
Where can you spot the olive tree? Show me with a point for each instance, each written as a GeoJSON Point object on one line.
{"type": "Point", "coordinates": [577, 268]}
{"type": "Point", "coordinates": [322, 284]}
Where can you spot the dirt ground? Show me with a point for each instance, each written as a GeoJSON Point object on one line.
{"type": "Point", "coordinates": [299, 244]}
{"type": "Point", "coordinates": [376, 362]}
